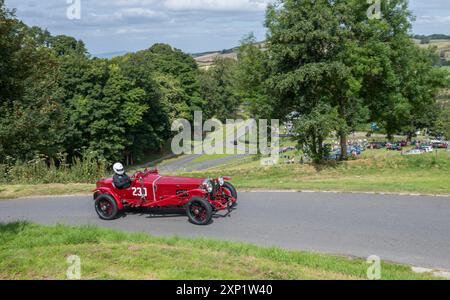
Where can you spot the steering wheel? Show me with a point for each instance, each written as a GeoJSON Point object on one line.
{"type": "Point", "coordinates": [145, 173]}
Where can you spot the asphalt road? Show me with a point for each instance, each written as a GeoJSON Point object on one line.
{"type": "Point", "coordinates": [185, 164]}
{"type": "Point", "coordinates": [407, 229]}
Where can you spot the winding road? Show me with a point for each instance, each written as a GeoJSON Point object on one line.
{"type": "Point", "coordinates": [407, 229]}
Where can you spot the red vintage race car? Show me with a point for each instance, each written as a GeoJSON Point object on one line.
{"type": "Point", "coordinates": [200, 197]}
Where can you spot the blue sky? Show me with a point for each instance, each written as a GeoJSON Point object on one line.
{"type": "Point", "coordinates": [191, 25]}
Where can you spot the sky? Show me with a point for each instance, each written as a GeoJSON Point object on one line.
{"type": "Point", "coordinates": [108, 26]}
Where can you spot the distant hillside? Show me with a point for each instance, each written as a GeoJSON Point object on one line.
{"type": "Point", "coordinates": [109, 55]}
{"type": "Point", "coordinates": [440, 41]}
{"type": "Point", "coordinates": [206, 59]}
{"type": "Point", "coordinates": [431, 37]}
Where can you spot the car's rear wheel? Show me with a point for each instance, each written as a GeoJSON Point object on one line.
{"type": "Point", "coordinates": [233, 192]}
{"type": "Point", "coordinates": [106, 207]}
{"type": "Point", "coordinates": [199, 211]}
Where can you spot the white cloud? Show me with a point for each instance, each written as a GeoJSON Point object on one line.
{"type": "Point", "coordinates": [217, 5]}
{"type": "Point", "coordinates": [131, 2]}
{"type": "Point", "coordinates": [193, 25]}
{"type": "Point", "coordinates": [140, 12]}
{"type": "Point", "coordinates": [433, 20]}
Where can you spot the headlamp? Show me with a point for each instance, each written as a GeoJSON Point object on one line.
{"type": "Point", "coordinates": [208, 185]}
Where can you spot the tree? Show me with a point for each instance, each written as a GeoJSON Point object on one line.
{"type": "Point", "coordinates": [218, 88]}
{"type": "Point", "coordinates": [30, 107]}
{"type": "Point", "coordinates": [309, 45]}
{"type": "Point", "coordinates": [419, 82]}
{"type": "Point", "coordinates": [67, 45]}
{"type": "Point", "coordinates": [251, 74]}
{"type": "Point", "coordinates": [314, 128]}
{"type": "Point", "coordinates": [330, 52]}
{"type": "Point", "coordinates": [441, 127]}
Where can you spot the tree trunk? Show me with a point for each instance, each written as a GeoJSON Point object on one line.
{"type": "Point", "coordinates": [343, 137]}
{"type": "Point", "coordinates": [320, 151]}
{"type": "Point", "coordinates": [314, 148]}
{"type": "Point", "coordinates": [342, 134]}
{"type": "Point", "coordinates": [409, 137]}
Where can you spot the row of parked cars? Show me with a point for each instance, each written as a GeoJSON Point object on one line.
{"type": "Point", "coordinates": [398, 146]}
{"type": "Point", "coordinates": [353, 149]}
{"type": "Point", "coordinates": [426, 148]}
{"type": "Point", "coordinates": [419, 147]}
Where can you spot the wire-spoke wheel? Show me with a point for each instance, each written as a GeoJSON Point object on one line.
{"type": "Point", "coordinates": [106, 207]}
{"type": "Point", "coordinates": [233, 192]}
{"type": "Point", "coordinates": [199, 211]}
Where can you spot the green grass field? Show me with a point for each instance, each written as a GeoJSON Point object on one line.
{"type": "Point", "coordinates": [29, 251]}
{"type": "Point", "coordinates": [11, 191]}
{"type": "Point", "coordinates": [375, 171]}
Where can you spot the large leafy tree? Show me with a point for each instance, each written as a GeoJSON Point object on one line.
{"type": "Point", "coordinates": [29, 101]}
{"type": "Point", "coordinates": [251, 74]}
{"type": "Point", "coordinates": [218, 88]}
{"type": "Point", "coordinates": [330, 52]}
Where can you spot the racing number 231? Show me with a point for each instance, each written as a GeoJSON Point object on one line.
{"type": "Point", "coordinates": [139, 192]}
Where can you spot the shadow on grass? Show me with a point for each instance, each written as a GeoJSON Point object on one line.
{"type": "Point", "coordinates": [13, 227]}
{"type": "Point", "coordinates": [326, 165]}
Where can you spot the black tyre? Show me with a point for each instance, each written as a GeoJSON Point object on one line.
{"type": "Point", "coordinates": [199, 211]}
{"type": "Point", "coordinates": [106, 207]}
{"type": "Point", "coordinates": [233, 192]}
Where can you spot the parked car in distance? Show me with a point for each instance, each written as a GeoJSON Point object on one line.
{"type": "Point", "coordinates": [393, 147]}
{"type": "Point", "coordinates": [440, 145]}
{"type": "Point", "coordinates": [376, 145]}
{"type": "Point", "coordinates": [426, 148]}
{"type": "Point", "coordinates": [413, 152]}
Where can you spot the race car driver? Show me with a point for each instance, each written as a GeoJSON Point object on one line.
{"type": "Point", "coordinates": [121, 180]}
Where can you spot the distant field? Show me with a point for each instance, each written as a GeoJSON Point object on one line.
{"type": "Point", "coordinates": [442, 45]}
{"type": "Point", "coordinates": [206, 60]}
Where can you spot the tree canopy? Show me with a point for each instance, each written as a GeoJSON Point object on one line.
{"type": "Point", "coordinates": [330, 54]}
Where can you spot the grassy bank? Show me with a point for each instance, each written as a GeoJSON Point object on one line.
{"type": "Point", "coordinates": [375, 171]}
{"type": "Point", "coordinates": [11, 191]}
{"type": "Point", "coordinates": [29, 251]}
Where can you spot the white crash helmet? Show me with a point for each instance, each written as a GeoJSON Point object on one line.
{"type": "Point", "coordinates": [118, 169]}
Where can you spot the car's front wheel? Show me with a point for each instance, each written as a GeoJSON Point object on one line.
{"type": "Point", "coordinates": [199, 211]}
{"type": "Point", "coordinates": [106, 207]}
{"type": "Point", "coordinates": [233, 192]}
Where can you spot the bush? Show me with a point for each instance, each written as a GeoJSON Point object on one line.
{"type": "Point", "coordinates": [42, 170]}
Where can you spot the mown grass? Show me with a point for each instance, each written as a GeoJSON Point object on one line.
{"type": "Point", "coordinates": [205, 158]}
{"type": "Point", "coordinates": [11, 191]}
{"type": "Point", "coordinates": [29, 251]}
{"type": "Point", "coordinates": [375, 171]}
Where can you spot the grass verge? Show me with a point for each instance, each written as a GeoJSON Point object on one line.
{"type": "Point", "coordinates": [29, 251]}
{"type": "Point", "coordinates": [27, 190]}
